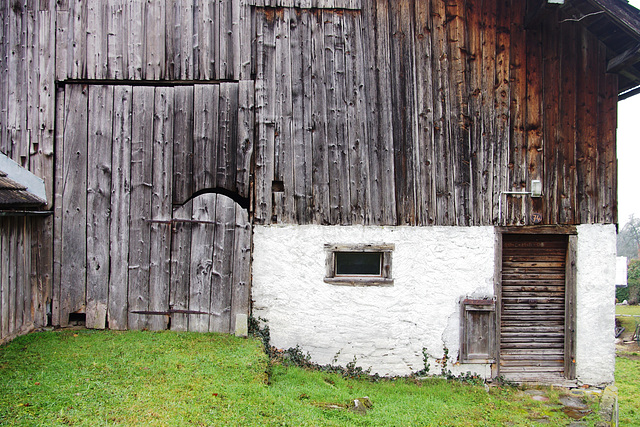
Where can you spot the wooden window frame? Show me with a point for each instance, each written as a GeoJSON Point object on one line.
{"type": "Point", "coordinates": [385, 278]}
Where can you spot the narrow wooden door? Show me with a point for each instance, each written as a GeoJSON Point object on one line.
{"type": "Point", "coordinates": [532, 330]}
{"type": "Point", "coordinates": [210, 264]}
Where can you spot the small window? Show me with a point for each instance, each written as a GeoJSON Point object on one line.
{"type": "Point", "coordinates": [353, 265]}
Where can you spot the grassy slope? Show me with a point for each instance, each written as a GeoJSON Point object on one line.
{"type": "Point", "coordinates": [628, 370]}
{"type": "Point", "coordinates": [166, 378]}
{"type": "Point", "coordinates": [628, 322]}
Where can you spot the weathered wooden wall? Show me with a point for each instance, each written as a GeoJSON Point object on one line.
{"type": "Point", "coordinates": [378, 112]}
{"type": "Point", "coordinates": [25, 287]}
{"type": "Point", "coordinates": [423, 112]}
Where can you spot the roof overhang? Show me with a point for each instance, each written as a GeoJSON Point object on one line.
{"type": "Point", "coordinates": [614, 22]}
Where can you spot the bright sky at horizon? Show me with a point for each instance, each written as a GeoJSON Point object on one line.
{"type": "Point", "coordinates": [628, 141]}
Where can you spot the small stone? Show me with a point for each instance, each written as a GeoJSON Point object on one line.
{"type": "Point", "coordinates": [540, 398]}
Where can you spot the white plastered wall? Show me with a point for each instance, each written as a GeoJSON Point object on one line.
{"type": "Point", "coordinates": [384, 328]}
{"type": "Point", "coordinates": [595, 304]}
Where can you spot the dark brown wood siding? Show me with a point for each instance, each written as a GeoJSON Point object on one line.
{"type": "Point", "coordinates": [532, 318]}
{"type": "Point", "coordinates": [424, 113]}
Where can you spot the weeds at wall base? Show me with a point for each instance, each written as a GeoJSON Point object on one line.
{"type": "Point", "coordinates": [295, 356]}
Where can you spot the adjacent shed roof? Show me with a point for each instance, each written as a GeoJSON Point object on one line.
{"type": "Point", "coordinates": [14, 195]}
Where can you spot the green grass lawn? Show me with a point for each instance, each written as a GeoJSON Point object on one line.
{"type": "Point", "coordinates": [97, 378]}
{"type": "Point", "coordinates": [628, 369]}
{"type": "Point", "coordinates": [628, 322]}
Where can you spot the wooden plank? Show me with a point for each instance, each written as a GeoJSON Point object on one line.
{"type": "Point", "coordinates": [570, 308]}
{"type": "Point", "coordinates": [16, 145]}
{"type": "Point", "coordinates": [62, 44]}
{"type": "Point", "coordinates": [534, 113]}
{"type": "Point", "coordinates": [566, 151]}
{"type": "Point", "coordinates": [46, 107]}
{"type": "Point", "coordinates": [183, 128]}
{"type": "Point", "coordinates": [78, 15]}
{"type": "Point", "coordinates": [141, 198]}
{"type": "Point", "coordinates": [12, 275]}
{"type": "Point", "coordinates": [607, 162]}
{"type": "Point", "coordinates": [4, 69]}
{"type": "Point", "coordinates": [283, 143]}
{"type": "Point", "coordinates": [5, 250]}
{"type": "Point", "coordinates": [222, 270]}
{"type": "Point", "coordinates": [357, 121]}
{"type": "Point", "coordinates": [74, 202]}
{"type": "Point", "coordinates": [161, 206]}
{"type": "Point", "coordinates": [206, 24]}
{"type": "Point", "coordinates": [339, 197]}
{"type": "Point", "coordinates": [265, 116]}
{"type": "Point", "coordinates": [245, 42]}
{"type": "Point", "coordinates": [181, 266]}
{"type": "Point", "coordinates": [341, 185]}
{"type": "Point", "coordinates": [120, 205]}
{"type": "Point", "coordinates": [241, 281]}
{"type": "Point", "coordinates": [587, 129]}
{"type": "Point", "coordinates": [551, 117]}
{"type": "Point", "coordinates": [183, 40]}
{"type": "Point", "coordinates": [42, 268]}
{"type": "Point", "coordinates": [202, 238]}
{"type": "Point", "coordinates": [245, 132]}
{"type": "Point", "coordinates": [518, 209]}
{"type": "Point", "coordinates": [487, 147]}
{"type": "Point", "coordinates": [426, 194]}
{"type": "Point", "coordinates": [136, 39]}
{"type": "Point", "coordinates": [445, 207]}
{"type": "Point", "coordinates": [117, 39]}
{"type": "Point", "coordinates": [32, 80]}
{"type": "Point", "coordinates": [227, 136]}
{"type": "Point", "coordinates": [205, 137]}
{"type": "Point", "coordinates": [22, 287]}
{"type": "Point", "coordinates": [61, 105]}
{"type": "Point", "coordinates": [99, 172]}
{"type": "Point", "coordinates": [97, 40]}
{"type": "Point", "coordinates": [459, 111]}
{"type": "Point", "coordinates": [502, 100]}
{"type": "Point", "coordinates": [300, 63]}
{"type": "Point", "coordinates": [402, 92]}
{"type": "Point", "coordinates": [319, 113]}
{"type": "Point", "coordinates": [154, 53]}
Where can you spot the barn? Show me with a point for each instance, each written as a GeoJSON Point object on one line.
{"type": "Point", "coordinates": [385, 181]}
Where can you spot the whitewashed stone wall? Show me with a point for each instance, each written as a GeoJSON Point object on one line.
{"type": "Point", "coordinates": [385, 328]}
{"type": "Point", "coordinates": [595, 337]}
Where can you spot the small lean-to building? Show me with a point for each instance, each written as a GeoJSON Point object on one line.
{"type": "Point", "coordinates": [378, 180]}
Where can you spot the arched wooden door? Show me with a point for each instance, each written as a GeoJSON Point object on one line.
{"type": "Point", "coordinates": [210, 264]}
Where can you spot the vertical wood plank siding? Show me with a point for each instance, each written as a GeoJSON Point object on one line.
{"type": "Point", "coordinates": [424, 112]}
{"type": "Point", "coordinates": [381, 112]}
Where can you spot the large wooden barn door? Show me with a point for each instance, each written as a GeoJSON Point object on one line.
{"type": "Point", "coordinates": [132, 249]}
{"type": "Point", "coordinates": [532, 317]}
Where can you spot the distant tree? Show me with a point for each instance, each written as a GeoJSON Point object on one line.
{"type": "Point", "coordinates": [629, 239]}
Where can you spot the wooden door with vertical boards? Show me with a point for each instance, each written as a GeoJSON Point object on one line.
{"type": "Point", "coordinates": [532, 317]}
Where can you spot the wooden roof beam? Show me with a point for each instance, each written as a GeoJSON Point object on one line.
{"type": "Point", "coordinates": [626, 59]}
